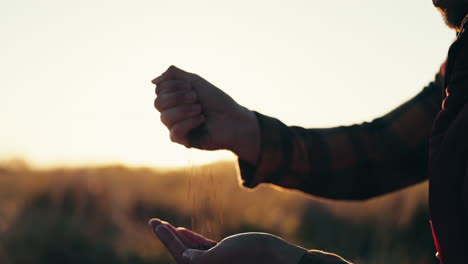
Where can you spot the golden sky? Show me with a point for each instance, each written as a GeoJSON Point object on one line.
{"type": "Point", "coordinates": [76, 75]}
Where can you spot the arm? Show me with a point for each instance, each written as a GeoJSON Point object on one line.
{"type": "Point", "coordinates": [354, 162]}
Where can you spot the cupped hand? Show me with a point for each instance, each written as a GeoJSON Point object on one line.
{"type": "Point", "coordinates": [200, 115]}
{"type": "Point", "coordinates": [188, 247]}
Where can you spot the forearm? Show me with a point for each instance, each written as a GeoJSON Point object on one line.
{"type": "Point", "coordinates": [355, 162]}
{"type": "Point", "coordinates": [247, 138]}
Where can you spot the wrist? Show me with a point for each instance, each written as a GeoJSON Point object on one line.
{"type": "Point", "coordinates": [247, 137]}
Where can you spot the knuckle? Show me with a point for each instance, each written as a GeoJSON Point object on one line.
{"type": "Point", "coordinates": [163, 87]}
{"type": "Point", "coordinates": [176, 131]}
{"type": "Point", "coordinates": [157, 104]}
{"type": "Point", "coordinates": [164, 119]}
{"type": "Point", "coordinates": [158, 89]}
{"type": "Point", "coordinates": [162, 102]}
{"type": "Point", "coordinates": [173, 136]}
{"type": "Point", "coordinates": [171, 68]}
{"type": "Point", "coordinates": [178, 136]}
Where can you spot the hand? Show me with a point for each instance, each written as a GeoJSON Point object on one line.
{"type": "Point", "coordinates": [200, 115]}
{"type": "Point", "coordinates": [188, 247]}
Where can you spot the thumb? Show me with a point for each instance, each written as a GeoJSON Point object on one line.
{"type": "Point", "coordinates": [173, 244]}
{"type": "Point", "coordinates": [173, 73]}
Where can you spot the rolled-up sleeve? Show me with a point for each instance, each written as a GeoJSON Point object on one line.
{"type": "Point", "coordinates": [348, 162]}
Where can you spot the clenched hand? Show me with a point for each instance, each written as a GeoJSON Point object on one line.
{"type": "Point", "coordinates": [198, 114]}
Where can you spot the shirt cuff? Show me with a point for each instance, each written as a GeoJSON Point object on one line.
{"type": "Point", "coordinates": [270, 160]}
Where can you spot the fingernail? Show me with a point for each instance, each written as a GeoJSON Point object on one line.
{"type": "Point", "coordinates": [155, 223]}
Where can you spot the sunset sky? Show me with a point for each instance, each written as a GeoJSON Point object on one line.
{"type": "Point", "coordinates": [76, 75]}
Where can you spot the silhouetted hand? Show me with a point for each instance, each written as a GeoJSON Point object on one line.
{"type": "Point", "coordinates": [200, 115]}
{"type": "Point", "coordinates": [188, 247]}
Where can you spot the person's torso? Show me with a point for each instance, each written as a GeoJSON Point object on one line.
{"type": "Point", "coordinates": [448, 157]}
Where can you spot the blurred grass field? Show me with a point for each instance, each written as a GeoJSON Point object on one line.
{"type": "Point", "coordinates": [99, 214]}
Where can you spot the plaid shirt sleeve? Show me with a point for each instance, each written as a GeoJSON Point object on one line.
{"type": "Point", "coordinates": [349, 162]}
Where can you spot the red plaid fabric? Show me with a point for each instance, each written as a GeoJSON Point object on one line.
{"type": "Point", "coordinates": [349, 162]}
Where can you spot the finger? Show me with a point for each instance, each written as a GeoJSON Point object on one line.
{"type": "Point", "coordinates": [168, 100]}
{"type": "Point", "coordinates": [154, 223]}
{"type": "Point", "coordinates": [173, 115]}
{"type": "Point", "coordinates": [182, 238]}
{"type": "Point", "coordinates": [196, 239]}
{"type": "Point", "coordinates": [189, 238]}
{"type": "Point", "coordinates": [172, 73]}
{"type": "Point", "coordinates": [180, 130]}
{"type": "Point", "coordinates": [173, 86]}
{"type": "Point", "coordinates": [172, 243]}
